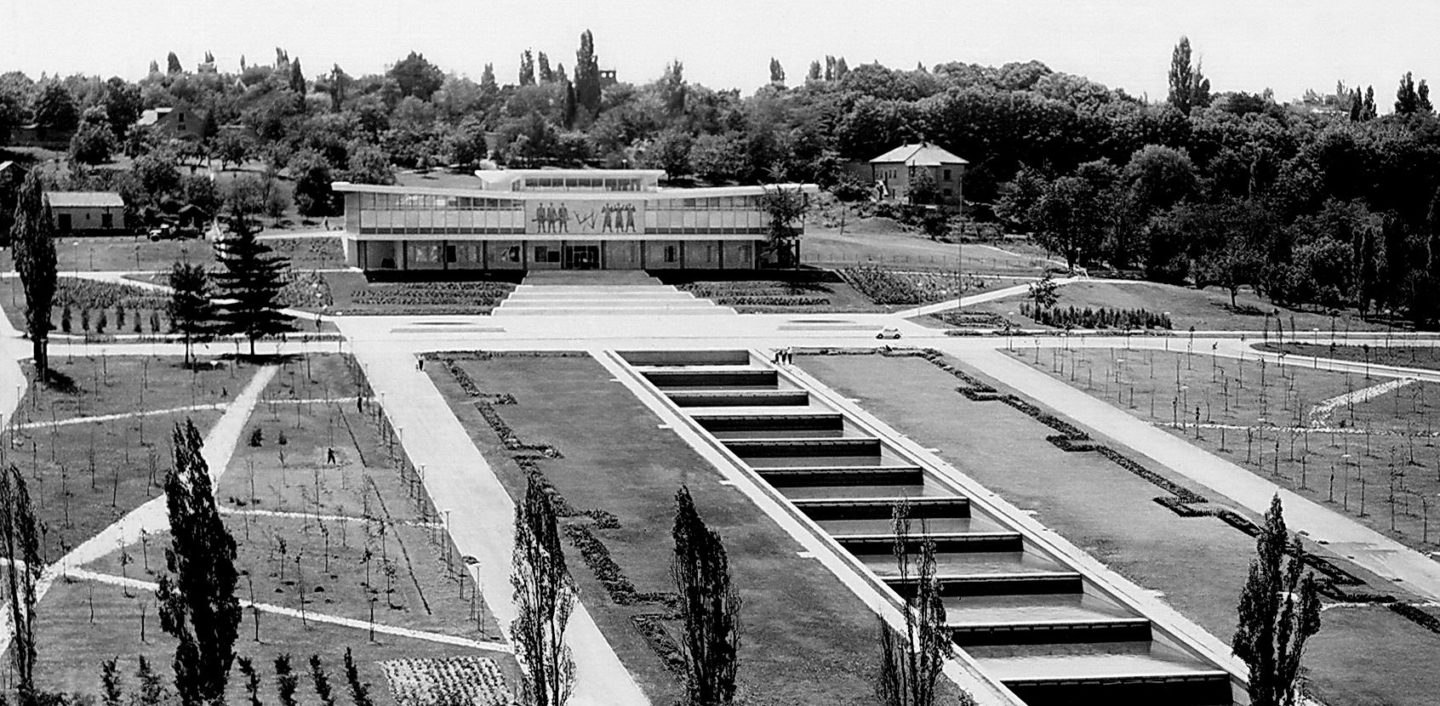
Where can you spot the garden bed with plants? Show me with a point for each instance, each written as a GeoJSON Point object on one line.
{"type": "Point", "coordinates": [353, 293]}
{"type": "Point", "coordinates": [86, 306]}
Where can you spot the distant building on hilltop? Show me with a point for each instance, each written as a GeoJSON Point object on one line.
{"type": "Point", "coordinates": [96, 212]}
{"type": "Point", "coordinates": [896, 171]}
{"type": "Point", "coordinates": [181, 123]}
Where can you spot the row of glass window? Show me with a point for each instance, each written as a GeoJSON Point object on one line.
{"type": "Point", "coordinates": [428, 202]}
{"type": "Point", "coordinates": [576, 184]}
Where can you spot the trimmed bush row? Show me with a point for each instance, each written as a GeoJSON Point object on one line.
{"type": "Point", "coordinates": [1102, 318]}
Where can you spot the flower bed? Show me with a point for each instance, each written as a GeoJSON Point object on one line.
{"type": "Point", "coordinates": [441, 294]}
{"type": "Point", "coordinates": [452, 680]}
{"type": "Point", "coordinates": [758, 293]}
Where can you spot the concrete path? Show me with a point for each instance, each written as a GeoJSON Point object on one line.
{"type": "Point", "coordinates": [1367, 548]}
{"type": "Point", "coordinates": [481, 514]}
{"type": "Point", "coordinates": [323, 618]}
{"type": "Point", "coordinates": [990, 296]}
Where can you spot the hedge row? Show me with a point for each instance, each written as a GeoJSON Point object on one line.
{"type": "Point", "coordinates": [1102, 318]}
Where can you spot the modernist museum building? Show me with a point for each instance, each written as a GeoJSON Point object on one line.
{"type": "Point", "coordinates": [519, 219]}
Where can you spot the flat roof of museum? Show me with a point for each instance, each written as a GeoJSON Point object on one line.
{"type": "Point", "coordinates": [692, 193]}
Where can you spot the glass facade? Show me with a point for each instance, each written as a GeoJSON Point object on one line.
{"type": "Point", "coordinates": [714, 215]}
{"type": "Point", "coordinates": [442, 215]}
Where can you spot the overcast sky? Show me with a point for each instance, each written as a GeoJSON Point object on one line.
{"type": "Point", "coordinates": [1287, 45]}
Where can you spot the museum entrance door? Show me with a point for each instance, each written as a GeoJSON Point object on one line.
{"type": "Point", "coordinates": [582, 257]}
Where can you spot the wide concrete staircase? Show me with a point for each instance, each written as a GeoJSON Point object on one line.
{"type": "Point", "coordinates": [1033, 620]}
{"type": "Point", "coordinates": [630, 293]}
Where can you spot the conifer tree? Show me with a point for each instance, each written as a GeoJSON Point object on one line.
{"type": "Point", "coordinates": [709, 607]}
{"type": "Point", "coordinates": [544, 599]}
{"type": "Point", "coordinates": [252, 680]}
{"type": "Point", "coordinates": [112, 692]}
{"type": "Point", "coordinates": [777, 73]}
{"type": "Point", "coordinates": [1407, 101]}
{"type": "Point", "coordinates": [286, 680]}
{"type": "Point", "coordinates": [190, 309]}
{"type": "Point", "coordinates": [1279, 611]}
{"type": "Point", "coordinates": [359, 690]}
{"type": "Point", "coordinates": [32, 238]}
{"type": "Point", "coordinates": [249, 284]}
{"type": "Point", "coordinates": [197, 599]}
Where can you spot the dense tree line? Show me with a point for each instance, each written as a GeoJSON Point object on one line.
{"type": "Point", "coordinates": [1319, 202]}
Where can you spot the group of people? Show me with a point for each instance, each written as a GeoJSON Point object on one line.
{"type": "Point", "coordinates": [783, 356]}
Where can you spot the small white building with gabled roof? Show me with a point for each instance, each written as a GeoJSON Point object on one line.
{"type": "Point", "coordinates": [896, 171]}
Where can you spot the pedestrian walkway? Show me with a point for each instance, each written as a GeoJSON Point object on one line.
{"type": "Point", "coordinates": [323, 618]}
{"type": "Point", "coordinates": [480, 513]}
{"type": "Point", "coordinates": [1367, 548]}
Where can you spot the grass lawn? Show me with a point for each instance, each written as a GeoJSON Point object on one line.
{"type": "Point", "coordinates": [1204, 310]}
{"type": "Point", "coordinates": [805, 638]}
{"type": "Point", "coordinates": [352, 293]}
{"type": "Point", "coordinates": [886, 247]}
{"type": "Point", "coordinates": [1278, 432]}
{"type": "Point", "coordinates": [122, 252]}
{"type": "Point", "coordinates": [309, 252]}
{"type": "Point", "coordinates": [1197, 564]}
{"type": "Point", "coordinates": [1402, 356]}
{"type": "Point", "coordinates": [83, 476]}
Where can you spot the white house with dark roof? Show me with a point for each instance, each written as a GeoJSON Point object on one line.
{"type": "Point", "coordinates": [92, 212]}
{"type": "Point", "coordinates": [897, 169]}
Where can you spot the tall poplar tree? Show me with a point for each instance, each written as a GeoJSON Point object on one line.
{"type": "Point", "coordinates": [20, 542]}
{"type": "Point", "coordinates": [32, 236]}
{"type": "Point", "coordinates": [709, 606]}
{"type": "Point", "coordinates": [250, 283]}
{"type": "Point", "coordinates": [587, 75]}
{"type": "Point", "coordinates": [544, 599]}
{"type": "Point", "coordinates": [1188, 86]}
{"type": "Point", "coordinates": [1279, 611]}
{"type": "Point", "coordinates": [196, 598]}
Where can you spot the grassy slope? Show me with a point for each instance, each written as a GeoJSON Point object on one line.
{"type": "Point", "coordinates": [1205, 310]}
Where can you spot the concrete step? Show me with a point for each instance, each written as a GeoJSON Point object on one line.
{"type": "Point", "coordinates": [606, 304]}
{"type": "Point", "coordinates": [946, 542]}
{"type": "Point", "coordinates": [882, 508]}
{"type": "Point", "coordinates": [841, 475]}
{"type": "Point", "coordinates": [1041, 619]}
{"type": "Point", "coordinates": [616, 311]}
{"type": "Point", "coordinates": [805, 448]}
{"type": "Point", "coordinates": [822, 421]}
{"type": "Point", "coordinates": [1122, 673]}
{"type": "Point", "coordinates": [686, 358]}
{"type": "Point", "coordinates": [766, 398]}
{"type": "Point", "coordinates": [714, 378]}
